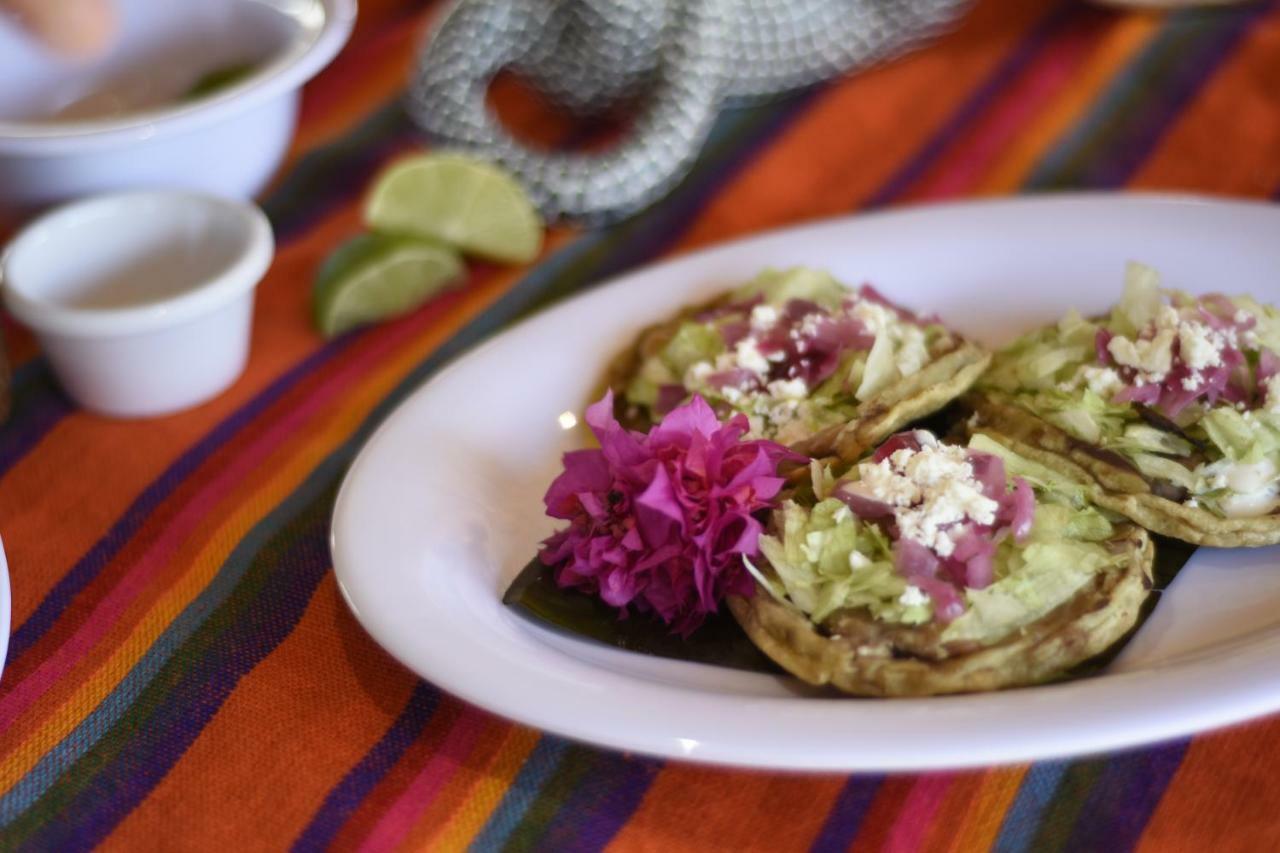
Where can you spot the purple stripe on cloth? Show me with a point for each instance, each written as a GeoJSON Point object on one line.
{"type": "Point", "coordinates": [328, 178]}
{"type": "Point", "coordinates": [847, 814]}
{"type": "Point", "coordinates": [105, 549]}
{"type": "Point", "coordinates": [38, 404]}
{"type": "Point", "coordinates": [998, 81]}
{"type": "Point", "coordinates": [1146, 125]}
{"type": "Point", "coordinates": [598, 807]}
{"type": "Point", "coordinates": [1127, 123]}
{"type": "Point", "coordinates": [276, 570]}
{"type": "Point", "coordinates": [1123, 798]}
{"type": "Point", "coordinates": [346, 797]}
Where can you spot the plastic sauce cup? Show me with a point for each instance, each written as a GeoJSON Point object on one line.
{"type": "Point", "coordinates": [142, 301]}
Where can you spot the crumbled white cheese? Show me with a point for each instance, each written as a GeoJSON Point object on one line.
{"type": "Point", "coordinates": [930, 491]}
{"type": "Point", "coordinates": [1151, 357]}
{"type": "Point", "coordinates": [1103, 381]}
{"type": "Point", "coordinates": [885, 485]}
{"type": "Point", "coordinates": [858, 560]}
{"type": "Point", "coordinates": [1198, 347]}
{"type": "Point", "coordinates": [788, 389]}
{"type": "Point", "coordinates": [913, 596]}
{"type": "Point", "coordinates": [840, 516]}
{"type": "Point", "coordinates": [697, 374]}
{"type": "Point", "coordinates": [733, 395]}
{"type": "Point", "coordinates": [791, 431]}
{"type": "Point", "coordinates": [749, 356]}
{"type": "Point", "coordinates": [764, 317]}
{"type": "Point", "coordinates": [1242, 316]}
{"type": "Point", "coordinates": [899, 458]}
{"type": "Point", "coordinates": [948, 503]}
{"type": "Point", "coordinates": [912, 353]}
{"type": "Point", "coordinates": [944, 463]}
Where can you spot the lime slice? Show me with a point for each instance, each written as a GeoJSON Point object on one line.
{"type": "Point", "coordinates": [376, 276]}
{"type": "Point", "coordinates": [462, 202]}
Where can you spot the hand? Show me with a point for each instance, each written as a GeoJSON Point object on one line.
{"type": "Point", "coordinates": [76, 28]}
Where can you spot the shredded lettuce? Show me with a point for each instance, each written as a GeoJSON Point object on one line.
{"type": "Point", "coordinates": [1241, 437]}
{"type": "Point", "coordinates": [1054, 373]}
{"type": "Point", "coordinates": [1163, 468]}
{"type": "Point", "coordinates": [1046, 482]}
{"type": "Point", "coordinates": [1267, 319]}
{"type": "Point", "coordinates": [827, 559]}
{"type": "Point", "coordinates": [880, 369]}
{"type": "Point", "coordinates": [1143, 438]}
{"type": "Point", "coordinates": [1140, 302]}
{"type": "Point", "coordinates": [692, 343]}
{"type": "Point", "coordinates": [1050, 574]}
{"type": "Point", "coordinates": [778, 287]}
{"type": "Point", "coordinates": [653, 374]}
{"type": "Point", "coordinates": [1088, 525]}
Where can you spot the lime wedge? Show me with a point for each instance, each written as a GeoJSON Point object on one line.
{"type": "Point", "coordinates": [462, 202]}
{"type": "Point", "coordinates": [376, 276]}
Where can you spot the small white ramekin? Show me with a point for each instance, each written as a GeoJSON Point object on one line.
{"type": "Point", "coordinates": [142, 301]}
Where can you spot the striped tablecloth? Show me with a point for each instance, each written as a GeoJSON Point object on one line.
{"type": "Point", "coordinates": [183, 673]}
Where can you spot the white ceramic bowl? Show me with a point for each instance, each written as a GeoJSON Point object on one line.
{"type": "Point", "coordinates": [120, 122]}
{"type": "Point", "coordinates": [142, 301]}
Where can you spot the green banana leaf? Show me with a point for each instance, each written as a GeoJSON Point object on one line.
{"type": "Point", "coordinates": [718, 641]}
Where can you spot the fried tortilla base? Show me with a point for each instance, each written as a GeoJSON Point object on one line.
{"type": "Point", "coordinates": [949, 374]}
{"type": "Point", "coordinates": [858, 654]}
{"type": "Point", "coordinates": [1110, 481]}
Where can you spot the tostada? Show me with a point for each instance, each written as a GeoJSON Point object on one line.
{"type": "Point", "coordinates": [822, 368]}
{"type": "Point", "coordinates": [934, 568]}
{"type": "Point", "coordinates": [1167, 409]}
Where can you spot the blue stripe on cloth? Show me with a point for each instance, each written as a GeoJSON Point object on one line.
{"type": "Point", "coordinates": [523, 792]}
{"type": "Point", "coordinates": [159, 490]}
{"type": "Point", "coordinates": [1128, 120]}
{"type": "Point", "coordinates": [599, 807]}
{"type": "Point", "coordinates": [1022, 820]}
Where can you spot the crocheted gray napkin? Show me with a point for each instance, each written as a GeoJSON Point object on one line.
{"type": "Point", "coordinates": [681, 61]}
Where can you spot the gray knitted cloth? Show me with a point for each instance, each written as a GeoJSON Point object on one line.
{"type": "Point", "coordinates": [679, 60]}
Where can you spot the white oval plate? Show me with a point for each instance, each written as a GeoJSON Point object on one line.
{"type": "Point", "coordinates": [443, 506]}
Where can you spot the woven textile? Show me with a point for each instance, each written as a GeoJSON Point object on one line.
{"type": "Point", "coordinates": [183, 673]}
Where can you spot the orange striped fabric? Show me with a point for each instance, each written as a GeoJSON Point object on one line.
{"type": "Point", "coordinates": [183, 673]}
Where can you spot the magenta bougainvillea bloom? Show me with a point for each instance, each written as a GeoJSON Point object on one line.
{"type": "Point", "coordinates": [660, 522]}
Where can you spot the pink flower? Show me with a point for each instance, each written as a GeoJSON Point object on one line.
{"type": "Point", "coordinates": [661, 522]}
